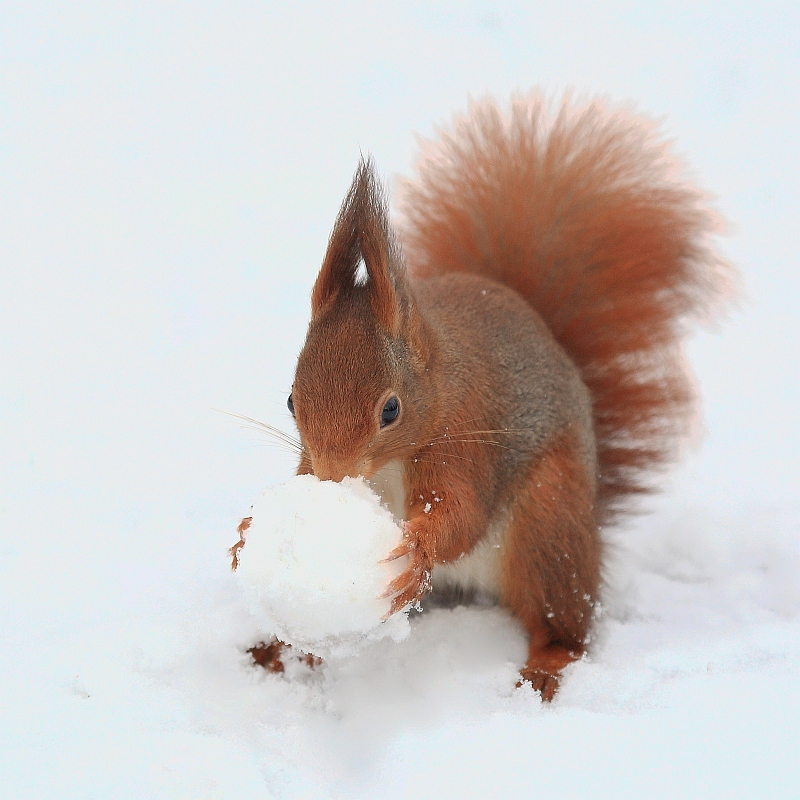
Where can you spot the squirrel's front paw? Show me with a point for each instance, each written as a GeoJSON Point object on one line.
{"type": "Point", "coordinates": [233, 552]}
{"type": "Point", "coordinates": [415, 580]}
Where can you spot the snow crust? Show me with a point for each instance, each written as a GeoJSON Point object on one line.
{"type": "Point", "coordinates": [311, 566]}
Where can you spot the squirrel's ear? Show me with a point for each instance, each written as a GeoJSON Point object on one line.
{"type": "Point", "coordinates": [338, 272]}
{"type": "Point", "coordinates": [362, 232]}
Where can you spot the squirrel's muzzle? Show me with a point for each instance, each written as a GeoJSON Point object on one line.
{"type": "Point", "coordinates": [330, 469]}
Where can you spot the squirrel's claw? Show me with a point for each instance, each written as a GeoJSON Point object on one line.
{"type": "Point", "coordinates": [414, 581]}
{"type": "Point", "coordinates": [401, 550]}
{"type": "Point", "coordinates": [410, 595]}
{"type": "Point", "coordinates": [233, 552]}
{"type": "Point", "coordinates": [406, 547]}
{"type": "Point", "coordinates": [403, 581]}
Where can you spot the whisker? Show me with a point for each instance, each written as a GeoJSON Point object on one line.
{"type": "Point", "coordinates": [275, 446]}
{"type": "Point", "coordinates": [477, 441]}
{"type": "Point", "coordinates": [450, 435]}
{"type": "Point", "coordinates": [429, 460]}
{"type": "Point", "coordinates": [454, 455]}
{"type": "Point", "coordinates": [433, 462]}
{"type": "Point", "coordinates": [290, 444]}
{"type": "Point", "coordinates": [263, 427]}
{"type": "Point", "coordinates": [414, 460]}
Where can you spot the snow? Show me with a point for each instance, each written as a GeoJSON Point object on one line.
{"type": "Point", "coordinates": [311, 566]}
{"type": "Point", "coordinates": [170, 176]}
{"type": "Point", "coordinates": [694, 667]}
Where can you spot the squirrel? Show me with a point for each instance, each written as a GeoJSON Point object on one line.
{"type": "Point", "coordinates": [505, 368]}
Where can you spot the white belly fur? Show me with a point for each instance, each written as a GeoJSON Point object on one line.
{"type": "Point", "coordinates": [389, 482]}
{"type": "Point", "coordinates": [478, 570]}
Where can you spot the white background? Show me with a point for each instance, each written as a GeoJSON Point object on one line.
{"type": "Point", "coordinates": [168, 177]}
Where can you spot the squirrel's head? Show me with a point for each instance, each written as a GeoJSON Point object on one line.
{"type": "Point", "coordinates": [356, 395]}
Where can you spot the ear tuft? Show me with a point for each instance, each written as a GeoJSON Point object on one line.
{"type": "Point", "coordinates": [361, 234]}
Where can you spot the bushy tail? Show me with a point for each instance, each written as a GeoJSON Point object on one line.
{"type": "Point", "coordinates": [586, 215]}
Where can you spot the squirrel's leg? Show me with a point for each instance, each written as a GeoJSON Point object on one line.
{"type": "Point", "coordinates": [550, 563]}
{"type": "Point", "coordinates": [444, 524]}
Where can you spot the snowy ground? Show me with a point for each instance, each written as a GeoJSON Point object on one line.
{"type": "Point", "coordinates": [691, 690]}
{"type": "Point", "coordinates": [169, 178]}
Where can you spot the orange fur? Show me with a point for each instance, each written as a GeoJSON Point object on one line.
{"type": "Point", "coordinates": [272, 656]}
{"type": "Point", "coordinates": [532, 349]}
{"type": "Point", "coordinates": [586, 216]}
{"type": "Point", "coordinates": [551, 563]}
{"type": "Point", "coordinates": [233, 552]}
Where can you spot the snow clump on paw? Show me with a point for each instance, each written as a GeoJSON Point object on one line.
{"type": "Point", "coordinates": [310, 565]}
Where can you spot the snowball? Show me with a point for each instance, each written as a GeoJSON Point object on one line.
{"type": "Point", "coordinates": [310, 565]}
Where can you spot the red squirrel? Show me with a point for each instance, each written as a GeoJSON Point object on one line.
{"type": "Point", "coordinates": [506, 369]}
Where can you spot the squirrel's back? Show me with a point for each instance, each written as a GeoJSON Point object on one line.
{"type": "Point", "coordinates": [587, 217]}
{"type": "Point", "coordinates": [492, 349]}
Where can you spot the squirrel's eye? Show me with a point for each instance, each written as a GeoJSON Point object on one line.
{"type": "Point", "coordinates": [290, 405]}
{"type": "Point", "coordinates": [390, 411]}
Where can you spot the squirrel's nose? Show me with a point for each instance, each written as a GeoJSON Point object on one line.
{"type": "Point", "coordinates": [328, 475]}
{"type": "Point", "coordinates": [327, 470]}
{"type": "Point", "coordinates": [334, 470]}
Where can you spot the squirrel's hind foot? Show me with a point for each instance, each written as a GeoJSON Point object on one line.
{"type": "Point", "coordinates": [541, 681]}
{"type": "Point", "coordinates": [543, 670]}
{"type": "Point", "coordinates": [273, 656]}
